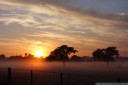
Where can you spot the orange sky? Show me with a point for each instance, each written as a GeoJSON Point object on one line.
{"type": "Point", "coordinates": [28, 26]}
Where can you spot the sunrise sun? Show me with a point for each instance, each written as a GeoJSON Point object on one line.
{"type": "Point", "coordinates": [38, 53]}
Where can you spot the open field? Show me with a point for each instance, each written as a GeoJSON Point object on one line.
{"type": "Point", "coordinates": [73, 73]}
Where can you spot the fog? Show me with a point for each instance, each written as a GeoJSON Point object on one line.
{"type": "Point", "coordinates": [68, 67]}
{"type": "Point", "coordinates": [84, 72]}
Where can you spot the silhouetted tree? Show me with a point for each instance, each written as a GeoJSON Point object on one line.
{"type": "Point", "coordinates": [105, 54]}
{"type": "Point", "coordinates": [29, 56]}
{"type": "Point", "coordinates": [61, 53]}
{"type": "Point", "coordinates": [16, 57]}
{"type": "Point", "coordinates": [2, 56]}
{"type": "Point", "coordinates": [26, 54]}
{"type": "Point", "coordinates": [98, 54]}
{"type": "Point", "coordinates": [75, 58]}
{"type": "Point", "coordinates": [86, 58]}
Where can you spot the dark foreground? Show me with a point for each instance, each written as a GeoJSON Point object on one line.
{"type": "Point", "coordinates": [66, 75]}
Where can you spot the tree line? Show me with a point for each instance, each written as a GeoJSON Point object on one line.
{"type": "Point", "coordinates": [63, 52]}
{"type": "Point", "coordinates": [26, 56]}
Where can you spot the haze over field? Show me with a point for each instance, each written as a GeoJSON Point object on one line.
{"type": "Point", "coordinates": [80, 72]}
{"type": "Point", "coordinates": [30, 25]}
{"type": "Point", "coordinates": [90, 68]}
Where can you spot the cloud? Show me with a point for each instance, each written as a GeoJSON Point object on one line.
{"type": "Point", "coordinates": [48, 22]}
{"type": "Point", "coordinates": [63, 7]}
{"type": "Point", "coordinates": [58, 2]}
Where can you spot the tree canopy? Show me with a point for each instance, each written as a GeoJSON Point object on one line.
{"type": "Point", "coordinates": [2, 56]}
{"type": "Point", "coordinates": [106, 54]}
{"type": "Point", "coordinates": [61, 53]}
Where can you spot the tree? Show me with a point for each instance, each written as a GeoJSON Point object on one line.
{"type": "Point", "coordinates": [61, 53]}
{"type": "Point", "coordinates": [98, 54]}
{"type": "Point", "coordinates": [26, 54]}
{"type": "Point", "coordinates": [105, 54]}
{"type": "Point", "coordinates": [2, 56]}
{"type": "Point", "coordinates": [29, 56]}
{"type": "Point", "coordinates": [75, 58]}
{"type": "Point", "coordinates": [111, 51]}
{"type": "Point", "coordinates": [16, 57]}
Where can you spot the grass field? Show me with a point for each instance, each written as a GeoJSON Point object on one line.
{"type": "Point", "coordinates": [73, 73]}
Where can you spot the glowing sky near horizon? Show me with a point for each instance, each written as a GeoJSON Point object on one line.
{"type": "Point", "coordinates": [86, 25]}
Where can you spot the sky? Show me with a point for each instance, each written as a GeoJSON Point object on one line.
{"type": "Point", "coordinates": [27, 26]}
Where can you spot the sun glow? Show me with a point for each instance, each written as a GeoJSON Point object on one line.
{"type": "Point", "coordinates": [38, 53]}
